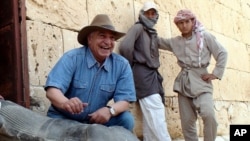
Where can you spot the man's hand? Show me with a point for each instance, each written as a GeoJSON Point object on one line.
{"type": "Point", "coordinates": [100, 116]}
{"type": "Point", "coordinates": [74, 106]}
{"type": "Point", "coordinates": [1, 97]}
{"type": "Point", "coordinates": [208, 77]}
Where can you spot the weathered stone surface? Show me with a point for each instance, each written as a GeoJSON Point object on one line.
{"type": "Point", "coordinates": [38, 101]}
{"type": "Point", "coordinates": [66, 14]}
{"type": "Point", "coordinates": [69, 40]}
{"type": "Point", "coordinates": [45, 46]}
{"type": "Point", "coordinates": [20, 124]}
{"type": "Point", "coordinates": [111, 7]}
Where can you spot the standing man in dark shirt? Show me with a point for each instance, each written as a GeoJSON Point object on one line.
{"type": "Point", "coordinates": [140, 47]}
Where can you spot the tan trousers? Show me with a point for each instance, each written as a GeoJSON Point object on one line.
{"type": "Point", "coordinates": [189, 109]}
{"type": "Point", "coordinates": [154, 119]}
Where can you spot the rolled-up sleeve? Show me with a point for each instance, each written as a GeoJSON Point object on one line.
{"type": "Point", "coordinates": [61, 74]}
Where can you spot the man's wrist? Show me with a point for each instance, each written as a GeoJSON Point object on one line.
{"type": "Point", "coordinates": [111, 110]}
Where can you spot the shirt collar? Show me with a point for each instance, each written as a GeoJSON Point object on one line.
{"type": "Point", "coordinates": [91, 61]}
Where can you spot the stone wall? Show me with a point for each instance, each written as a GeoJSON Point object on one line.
{"type": "Point", "coordinates": [52, 27]}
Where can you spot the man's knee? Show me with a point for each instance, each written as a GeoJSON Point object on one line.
{"type": "Point", "coordinates": [125, 120]}
{"type": "Point", "coordinates": [207, 111]}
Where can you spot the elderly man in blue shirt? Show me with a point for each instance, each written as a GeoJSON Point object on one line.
{"type": "Point", "coordinates": [85, 79]}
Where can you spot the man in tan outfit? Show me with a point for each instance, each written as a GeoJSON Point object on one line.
{"type": "Point", "coordinates": [193, 50]}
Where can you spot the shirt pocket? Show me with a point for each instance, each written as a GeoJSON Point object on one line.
{"type": "Point", "coordinates": [107, 90]}
{"type": "Point", "coordinates": [79, 89]}
{"type": "Point", "coordinates": [79, 84]}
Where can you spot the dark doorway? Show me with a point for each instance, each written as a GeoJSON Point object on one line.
{"type": "Point", "coordinates": [14, 81]}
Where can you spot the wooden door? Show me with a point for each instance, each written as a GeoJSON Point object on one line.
{"type": "Point", "coordinates": [14, 81]}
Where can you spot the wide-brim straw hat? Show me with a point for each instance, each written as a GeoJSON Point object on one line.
{"type": "Point", "coordinates": [100, 22]}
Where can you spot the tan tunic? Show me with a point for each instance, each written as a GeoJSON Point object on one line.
{"type": "Point", "coordinates": [189, 82]}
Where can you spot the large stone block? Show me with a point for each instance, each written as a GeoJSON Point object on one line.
{"type": "Point", "coordinates": [173, 117]}
{"type": "Point", "coordinates": [222, 116]}
{"type": "Point", "coordinates": [233, 87]}
{"type": "Point", "coordinates": [20, 124]}
{"type": "Point", "coordinates": [69, 40]}
{"type": "Point", "coordinates": [121, 13]}
{"type": "Point", "coordinates": [169, 70]}
{"type": "Point", "coordinates": [38, 101]}
{"type": "Point", "coordinates": [235, 49]}
{"type": "Point", "coordinates": [163, 26]}
{"type": "Point", "coordinates": [220, 21]}
{"type": "Point", "coordinates": [235, 4]}
{"type": "Point", "coordinates": [243, 29]}
{"type": "Point", "coordinates": [245, 8]}
{"type": "Point", "coordinates": [65, 14]}
{"type": "Point", "coordinates": [45, 46]}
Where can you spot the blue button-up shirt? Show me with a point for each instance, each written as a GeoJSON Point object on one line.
{"type": "Point", "coordinates": [78, 74]}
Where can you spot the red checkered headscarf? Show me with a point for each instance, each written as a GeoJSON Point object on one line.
{"type": "Point", "coordinates": [198, 28]}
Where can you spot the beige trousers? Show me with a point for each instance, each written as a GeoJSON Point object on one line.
{"type": "Point", "coordinates": [189, 109]}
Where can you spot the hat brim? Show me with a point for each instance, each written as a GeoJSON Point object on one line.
{"type": "Point", "coordinates": [148, 8]}
{"type": "Point", "coordinates": [84, 32]}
